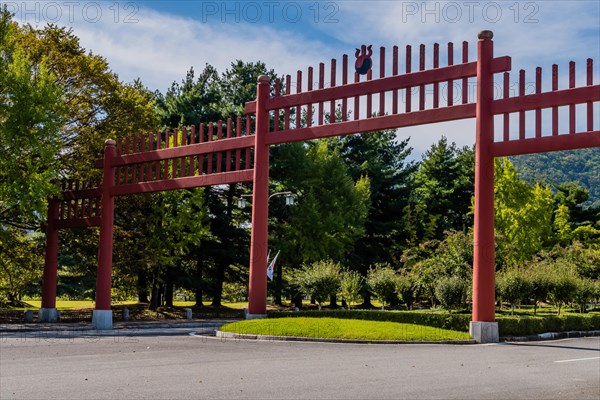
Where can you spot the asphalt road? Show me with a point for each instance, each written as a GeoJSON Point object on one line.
{"type": "Point", "coordinates": [189, 366]}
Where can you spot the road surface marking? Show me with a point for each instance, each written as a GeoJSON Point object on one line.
{"type": "Point", "coordinates": [578, 359]}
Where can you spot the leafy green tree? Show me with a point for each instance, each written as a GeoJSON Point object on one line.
{"type": "Point", "coordinates": [451, 292]}
{"type": "Point", "coordinates": [513, 286]}
{"type": "Point", "coordinates": [382, 282]}
{"type": "Point", "coordinates": [351, 285]}
{"type": "Point", "coordinates": [585, 291]}
{"type": "Point", "coordinates": [31, 115]}
{"type": "Point", "coordinates": [563, 284]}
{"type": "Point", "coordinates": [405, 287]}
{"type": "Point", "coordinates": [523, 214]}
{"type": "Point", "coordinates": [320, 280]}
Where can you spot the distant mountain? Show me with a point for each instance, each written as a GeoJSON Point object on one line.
{"type": "Point", "coordinates": [563, 166]}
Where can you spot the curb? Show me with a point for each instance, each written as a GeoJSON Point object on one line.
{"type": "Point", "coordinates": [550, 336]}
{"type": "Point", "coordinates": [231, 335]}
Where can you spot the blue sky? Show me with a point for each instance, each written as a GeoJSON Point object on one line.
{"type": "Point", "coordinates": [158, 41]}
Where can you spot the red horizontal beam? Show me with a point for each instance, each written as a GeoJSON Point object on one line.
{"type": "Point", "coordinates": [78, 223]}
{"type": "Point", "coordinates": [374, 124]}
{"type": "Point", "coordinates": [82, 194]}
{"type": "Point", "coordinates": [546, 100]}
{"type": "Point", "coordinates": [235, 143]}
{"type": "Point", "coordinates": [546, 143]}
{"type": "Point", "coordinates": [184, 183]}
{"type": "Point", "coordinates": [459, 71]}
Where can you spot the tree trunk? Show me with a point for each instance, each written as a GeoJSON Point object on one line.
{"type": "Point", "coordinates": [366, 300]}
{"type": "Point", "coordinates": [169, 289]}
{"type": "Point", "coordinates": [333, 301]}
{"type": "Point", "coordinates": [199, 283]}
{"type": "Point", "coordinates": [278, 285]}
{"type": "Point", "coordinates": [218, 289]}
{"type": "Point", "coordinates": [142, 286]}
{"type": "Point", "coordinates": [298, 301]}
{"type": "Point", "coordinates": [154, 298]}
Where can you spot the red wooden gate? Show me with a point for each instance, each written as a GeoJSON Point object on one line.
{"type": "Point", "coordinates": [140, 165]}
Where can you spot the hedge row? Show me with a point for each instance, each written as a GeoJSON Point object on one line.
{"type": "Point", "coordinates": [507, 325]}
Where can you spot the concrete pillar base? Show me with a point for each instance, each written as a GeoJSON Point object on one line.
{"type": "Point", "coordinates": [484, 332]}
{"type": "Point", "coordinates": [247, 315]}
{"type": "Point", "coordinates": [102, 319]}
{"type": "Point", "coordinates": [48, 315]}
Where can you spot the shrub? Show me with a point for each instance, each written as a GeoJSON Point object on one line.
{"type": "Point", "coordinates": [451, 292]}
{"type": "Point", "coordinates": [513, 286]}
{"type": "Point", "coordinates": [405, 287]}
{"type": "Point", "coordinates": [382, 282]}
{"type": "Point", "coordinates": [585, 291]}
{"type": "Point", "coordinates": [320, 280]}
{"type": "Point", "coordinates": [563, 285]}
{"type": "Point", "coordinates": [352, 283]}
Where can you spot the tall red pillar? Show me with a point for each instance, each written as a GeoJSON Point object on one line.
{"type": "Point", "coordinates": [48, 312]}
{"type": "Point", "coordinates": [483, 327]}
{"type": "Point", "coordinates": [102, 317]}
{"type": "Point", "coordinates": [257, 291]}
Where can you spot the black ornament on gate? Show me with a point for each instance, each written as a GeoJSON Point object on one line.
{"type": "Point", "coordinates": [363, 59]}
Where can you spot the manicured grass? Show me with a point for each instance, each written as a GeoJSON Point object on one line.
{"type": "Point", "coordinates": [71, 304]}
{"type": "Point", "coordinates": [342, 329]}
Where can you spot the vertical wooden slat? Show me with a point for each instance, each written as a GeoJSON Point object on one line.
{"type": "Point", "coordinates": [120, 146]}
{"type": "Point", "coordinates": [276, 111]}
{"type": "Point", "coordinates": [506, 116]}
{"type": "Point", "coordinates": [344, 83]}
{"type": "Point", "coordinates": [369, 96]}
{"type": "Point", "coordinates": [333, 84]}
{"type": "Point", "coordinates": [90, 210]}
{"type": "Point", "coordinates": [309, 105]}
{"type": "Point", "coordinates": [450, 82]}
{"type": "Point", "coordinates": [521, 113]}
{"type": "Point", "coordinates": [298, 108]}
{"type": "Point", "coordinates": [572, 106]}
{"type": "Point", "coordinates": [381, 75]}
{"type": "Point", "coordinates": [174, 161]}
{"type": "Point", "coordinates": [201, 157]}
{"type": "Point", "coordinates": [538, 111]}
{"type": "Point", "coordinates": [165, 172]}
{"type": "Point", "coordinates": [134, 167]}
{"type": "Point", "coordinates": [422, 68]}
{"type": "Point", "coordinates": [126, 168]}
{"type": "Point", "coordinates": [119, 169]}
{"type": "Point", "coordinates": [408, 90]}
{"type": "Point", "coordinates": [209, 156]}
{"type": "Point", "coordinates": [220, 153]}
{"type": "Point", "coordinates": [150, 148]}
{"type": "Point", "coordinates": [248, 131]}
{"type": "Point", "coordinates": [228, 152]}
{"type": "Point", "coordinates": [288, 88]}
{"type": "Point", "coordinates": [394, 73]}
{"type": "Point", "coordinates": [238, 151]}
{"type": "Point", "coordinates": [321, 86]}
{"type": "Point", "coordinates": [554, 109]}
{"type": "Point", "coordinates": [356, 99]}
{"type": "Point", "coordinates": [590, 82]}
{"type": "Point", "coordinates": [192, 161]}
{"type": "Point", "coordinates": [77, 208]}
{"type": "Point", "coordinates": [465, 81]}
{"type": "Point", "coordinates": [182, 160]}
{"type": "Point", "coordinates": [436, 85]}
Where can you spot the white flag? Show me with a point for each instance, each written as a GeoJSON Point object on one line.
{"type": "Point", "coordinates": [271, 266]}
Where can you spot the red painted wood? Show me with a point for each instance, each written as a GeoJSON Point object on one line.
{"type": "Point", "coordinates": [408, 88]}
{"type": "Point", "coordinates": [571, 106]}
{"type": "Point", "coordinates": [547, 143]}
{"type": "Point", "coordinates": [210, 156]}
{"type": "Point", "coordinates": [381, 75]}
{"type": "Point", "coordinates": [394, 73]}
{"type": "Point", "coordinates": [87, 222]}
{"type": "Point", "coordinates": [484, 300]}
{"type": "Point", "coordinates": [192, 159]}
{"type": "Point", "coordinates": [219, 154]}
{"type": "Point", "coordinates": [51, 257]}
{"type": "Point", "coordinates": [506, 116]}
{"type": "Point", "coordinates": [369, 96]}
{"type": "Point", "coordinates": [422, 86]}
{"type": "Point", "coordinates": [344, 83]}
{"type": "Point", "coordinates": [374, 124]}
{"type": "Point", "coordinates": [288, 91]}
{"type": "Point", "coordinates": [104, 273]}
{"type": "Point", "coordinates": [546, 100]}
{"type": "Point", "coordinates": [298, 108]}
{"type": "Point", "coordinates": [228, 152]}
{"type": "Point", "coordinates": [309, 111]}
{"type": "Point", "coordinates": [321, 86]}
{"type": "Point", "coordinates": [450, 100]}
{"type": "Point", "coordinates": [538, 111]}
{"type": "Point", "coordinates": [522, 113]}
{"type": "Point", "coordinates": [356, 98]}
{"type": "Point", "coordinates": [238, 128]}
{"type": "Point", "coordinates": [276, 113]}
{"type": "Point", "coordinates": [465, 80]}
{"type": "Point", "coordinates": [554, 108]}
{"type": "Point", "coordinates": [248, 150]}
{"type": "Point", "coordinates": [257, 290]}
{"type": "Point", "coordinates": [333, 84]}
{"type": "Point", "coordinates": [589, 82]}
{"type": "Point", "coordinates": [436, 85]}
{"type": "Point", "coordinates": [184, 183]}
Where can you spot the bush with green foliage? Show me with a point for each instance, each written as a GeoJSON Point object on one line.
{"type": "Point", "coordinates": [320, 280]}
{"type": "Point", "coordinates": [513, 286]}
{"type": "Point", "coordinates": [451, 292]}
{"type": "Point", "coordinates": [406, 288]}
{"type": "Point", "coordinates": [382, 282]}
{"type": "Point", "coordinates": [351, 285]}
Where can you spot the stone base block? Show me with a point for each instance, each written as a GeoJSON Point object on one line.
{"type": "Point", "coordinates": [48, 315]}
{"type": "Point", "coordinates": [102, 319]}
{"type": "Point", "coordinates": [484, 332]}
{"type": "Point", "coordinates": [247, 315]}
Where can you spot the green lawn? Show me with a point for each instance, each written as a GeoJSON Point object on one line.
{"type": "Point", "coordinates": [71, 304]}
{"type": "Point", "coordinates": [342, 329]}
